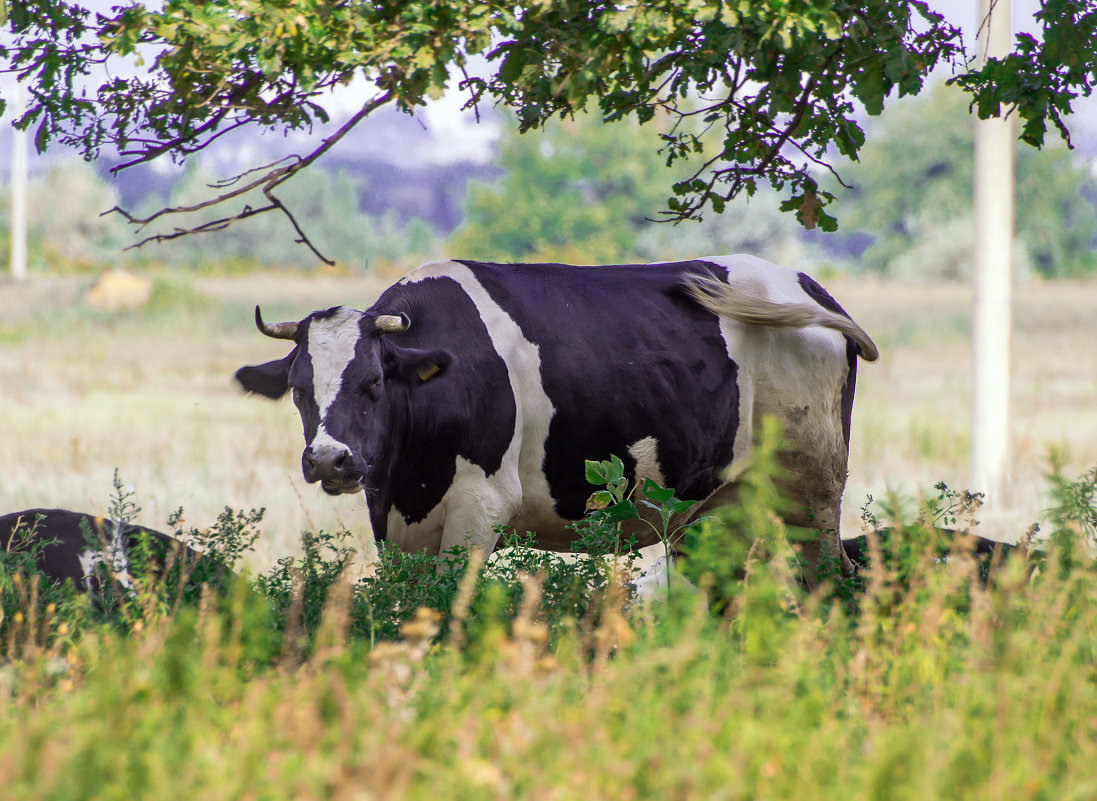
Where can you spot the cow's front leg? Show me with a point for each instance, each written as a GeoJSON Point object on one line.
{"type": "Point", "coordinates": [471, 534]}
{"type": "Point", "coordinates": [476, 505]}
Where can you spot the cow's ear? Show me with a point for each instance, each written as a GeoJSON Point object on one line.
{"type": "Point", "coordinates": [416, 367]}
{"type": "Point", "coordinates": [270, 379]}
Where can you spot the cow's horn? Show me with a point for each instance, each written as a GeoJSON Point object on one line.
{"type": "Point", "coordinates": [391, 323]}
{"type": "Point", "coordinates": [275, 330]}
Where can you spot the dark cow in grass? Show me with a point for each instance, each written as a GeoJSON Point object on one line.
{"type": "Point", "coordinates": [858, 550]}
{"type": "Point", "coordinates": [470, 394]}
{"type": "Point", "coordinates": [87, 548]}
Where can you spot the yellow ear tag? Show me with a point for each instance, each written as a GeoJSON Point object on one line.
{"type": "Point", "coordinates": [428, 371]}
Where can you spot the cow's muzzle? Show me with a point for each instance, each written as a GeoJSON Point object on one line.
{"type": "Point", "coordinates": [333, 466]}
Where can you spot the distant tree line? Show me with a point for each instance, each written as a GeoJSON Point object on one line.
{"type": "Point", "coordinates": [751, 94]}
{"type": "Point", "coordinates": [910, 205]}
{"type": "Point", "coordinates": [581, 191]}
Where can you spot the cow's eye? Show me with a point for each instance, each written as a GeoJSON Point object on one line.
{"type": "Point", "coordinates": [373, 389]}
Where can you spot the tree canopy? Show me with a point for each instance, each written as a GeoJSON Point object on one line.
{"type": "Point", "coordinates": [756, 91]}
{"type": "Point", "coordinates": [912, 196]}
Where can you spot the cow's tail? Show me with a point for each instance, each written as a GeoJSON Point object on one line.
{"type": "Point", "coordinates": [745, 305]}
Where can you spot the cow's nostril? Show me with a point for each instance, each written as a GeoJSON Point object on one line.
{"type": "Point", "coordinates": [340, 461]}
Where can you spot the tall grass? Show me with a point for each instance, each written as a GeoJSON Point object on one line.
{"type": "Point", "coordinates": [926, 679]}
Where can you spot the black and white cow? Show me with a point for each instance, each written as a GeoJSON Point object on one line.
{"type": "Point", "coordinates": [73, 545]}
{"type": "Point", "coordinates": [470, 394]}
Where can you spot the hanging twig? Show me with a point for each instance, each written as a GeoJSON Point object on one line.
{"type": "Point", "coordinates": [271, 178]}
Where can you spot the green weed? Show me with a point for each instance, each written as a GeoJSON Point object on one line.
{"type": "Point", "coordinates": [940, 681]}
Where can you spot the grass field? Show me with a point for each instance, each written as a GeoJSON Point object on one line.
{"type": "Point", "coordinates": [150, 392]}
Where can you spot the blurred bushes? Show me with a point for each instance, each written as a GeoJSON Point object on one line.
{"type": "Point", "coordinates": [586, 192]}
{"type": "Point", "coordinates": [69, 232]}
{"type": "Point", "coordinates": [325, 205]}
{"type": "Point", "coordinates": [909, 211]}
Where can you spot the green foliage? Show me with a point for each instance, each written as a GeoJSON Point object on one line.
{"type": "Point", "coordinates": [775, 85]}
{"type": "Point", "coordinates": [912, 192]}
{"type": "Point", "coordinates": [34, 611]}
{"type": "Point", "coordinates": [759, 75]}
{"type": "Point", "coordinates": [160, 579]}
{"type": "Point", "coordinates": [720, 551]}
{"type": "Point", "coordinates": [615, 506]}
{"type": "Point", "coordinates": [1077, 501]}
{"type": "Point", "coordinates": [900, 544]}
{"type": "Point", "coordinates": [939, 685]}
{"type": "Point", "coordinates": [400, 583]}
{"type": "Point", "coordinates": [1041, 78]}
{"type": "Point", "coordinates": [580, 192]}
{"type": "Point", "coordinates": [1073, 517]}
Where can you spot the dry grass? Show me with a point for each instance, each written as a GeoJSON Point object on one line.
{"type": "Point", "coordinates": [150, 393]}
{"type": "Point", "coordinates": [911, 419]}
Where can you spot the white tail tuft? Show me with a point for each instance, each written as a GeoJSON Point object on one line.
{"type": "Point", "coordinates": [749, 309]}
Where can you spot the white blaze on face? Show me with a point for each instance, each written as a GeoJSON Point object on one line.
{"type": "Point", "coordinates": [331, 342]}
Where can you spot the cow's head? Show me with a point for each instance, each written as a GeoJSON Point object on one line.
{"type": "Point", "coordinates": [352, 384]}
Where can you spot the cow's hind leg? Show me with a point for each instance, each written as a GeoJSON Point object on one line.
{"type": "Point", "coordinates": [812, 483]}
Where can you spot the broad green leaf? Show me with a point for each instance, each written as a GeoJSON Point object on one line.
{"type": "Point", "coordinates": [596, 472]}
{"type": "Point", "coordinates": [599, 500]}
{"type": "Point", "coordinates": [660, 495]}
{"type": "Point", "coordinates": [620, 512]}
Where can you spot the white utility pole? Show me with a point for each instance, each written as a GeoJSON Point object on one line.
{"type": "Point", "coordinates": [19, 190]}
{"type": "Point", "coordinates": [991, 318]}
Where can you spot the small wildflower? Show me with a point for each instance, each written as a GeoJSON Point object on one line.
{"type": "Point", "coordinates": [546, 665]}
{"type": "Point", "coordinates": [424, 626]}
{"type": "Point", "coordinates": [537, 633]}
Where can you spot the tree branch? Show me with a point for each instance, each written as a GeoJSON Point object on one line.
{"type": "Point", "coordinates": [204, 228]}
{"type": "Point", "coordinates": [271, 179]}
{"type": "Point", "coordinates": [303, 240]}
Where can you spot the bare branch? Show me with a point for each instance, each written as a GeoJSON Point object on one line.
{"type": "Point", "coordinates": [204, 228]}
{"type": "Point", "coordinates": [271, 178]}
{"type": "Point", "coordinates": [149, 154]}
{"type": "Point", "coordinates": [303, 240]}
{"type": "Point", "coordinates": [224, 183]}
{"type": "Point", "coordinates": [472, 94]}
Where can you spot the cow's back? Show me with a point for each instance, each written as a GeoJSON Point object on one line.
{"type": "Point", "coordinates": [632, 366]}
{"type": "Point", "coordinates": [622, 360]}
